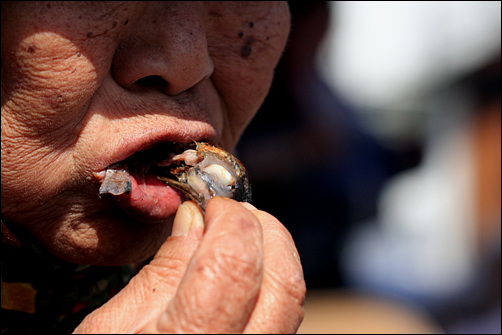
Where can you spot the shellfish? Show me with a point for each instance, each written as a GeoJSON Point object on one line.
{"type": "Point", "coordinates": [208, 171]}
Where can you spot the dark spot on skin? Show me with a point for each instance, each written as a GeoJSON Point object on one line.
{"type": "Point", "coordinates": [90, 34]}
{"type": "Point", "coordinates": [153, 289]}
{"type": "Point", "coordinates": [31, 48]}
{"type": "Point", "coordinates": [241, 34]}
{"type": "Point", "coordinates": [79, 54]}
{"type": "Point", "coordinates": [126, 22]}
{"type": "Point", "coordinates": [268, 37]}
{"type": "Point", "coordinates": [114, 24]}
{"type": "Point", "coordinates": [80, 16]}
{"type": "Point", "coordinates": [251, 24]}
{"type": "Point", "coordinates": [246, 50]}
{"type": "Point", "coordinates": [48, 5]}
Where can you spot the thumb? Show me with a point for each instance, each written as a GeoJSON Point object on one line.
{"type": "Point", "coordinates": [148, 293]}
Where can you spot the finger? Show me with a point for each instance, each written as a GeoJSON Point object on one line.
{"type": "Point", "coordinates": [148, 293]}
{"type": "Point", "coordinates": [222, 282]}
{"type": "Point", "coordinates": [280, 305]}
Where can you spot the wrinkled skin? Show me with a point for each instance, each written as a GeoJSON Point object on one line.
{"type": "Point", "coordinates": [87, 84]}
{"type": "Point", "coordinates": [74, 95]}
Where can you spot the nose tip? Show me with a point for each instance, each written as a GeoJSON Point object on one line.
{"type": "Point", "coordinates": [174, 87]}
{"type": "Point", "coordinates": [187, 73]}
{"type": "Point", "coordinates": [172, 56]}
{"type": "Point", "coordinates": [172, 71]}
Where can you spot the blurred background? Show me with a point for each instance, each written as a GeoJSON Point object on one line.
{"type": "Point", "coordinates": [379, 148]}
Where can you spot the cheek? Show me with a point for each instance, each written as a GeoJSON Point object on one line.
{"type": "Point", "coordinates": [47, 82]}
{"type": "Point", "coordinates": [243, 86]}
{"type": "Point", "coordinates": [243, 93]}
{"type": "Point", "coordinates": [245, 44]}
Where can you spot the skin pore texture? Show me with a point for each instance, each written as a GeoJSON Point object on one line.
{"type": "Point", "coordinates": [87, 84]}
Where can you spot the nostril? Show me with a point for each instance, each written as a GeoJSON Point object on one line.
{"type": "Point", "coordinates": [153, 81]}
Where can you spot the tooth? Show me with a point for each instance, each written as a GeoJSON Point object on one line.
{"type": "Point", "coordinates": [99, 175]}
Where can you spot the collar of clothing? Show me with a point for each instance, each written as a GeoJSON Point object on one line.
{"type": "Point", "coordinates": [41, 292]}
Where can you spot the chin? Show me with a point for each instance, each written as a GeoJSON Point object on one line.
{"type": "Point", "coordinates": [110, 242]}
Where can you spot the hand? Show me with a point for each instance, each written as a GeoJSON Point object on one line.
{"type": "Point", "coordinates": [242, 275]}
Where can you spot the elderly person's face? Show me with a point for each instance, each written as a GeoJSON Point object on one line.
{"type": "Point", "coordinates": [87, 84]}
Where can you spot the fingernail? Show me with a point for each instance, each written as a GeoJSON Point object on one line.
{"type": "Point", "coordinates": [188, 216]}
{"type": "Point", "coordinates": [248, 206]}
{"type": "Point", "coordinates": [197, 216]}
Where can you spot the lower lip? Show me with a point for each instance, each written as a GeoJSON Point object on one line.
{"type": "Point", "coordinates": [150, 199]}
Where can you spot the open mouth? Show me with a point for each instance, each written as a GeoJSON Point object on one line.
{"type": "Point", "coordinates": [155, 161]}
{"type": "Point", "coordinates": [133, 184]}
{"type": "Point", "coordinates": [152, 183]}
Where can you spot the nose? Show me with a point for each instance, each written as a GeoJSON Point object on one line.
{"type": "Point", "coordinates": [166, 48]}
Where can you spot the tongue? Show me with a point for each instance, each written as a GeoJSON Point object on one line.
{"type": "Point", "coordinates": [141, 195]}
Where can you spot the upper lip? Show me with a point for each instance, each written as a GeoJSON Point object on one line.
{"type": "Point", "coordinates": [129, 144]}
{"type": "Point", "coordinates": [181, 119]}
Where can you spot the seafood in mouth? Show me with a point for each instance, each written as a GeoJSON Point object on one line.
{"type": "Point", "coordinates": [199, 171]}
{"type": "Point", "coordinates": [208, 171]}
